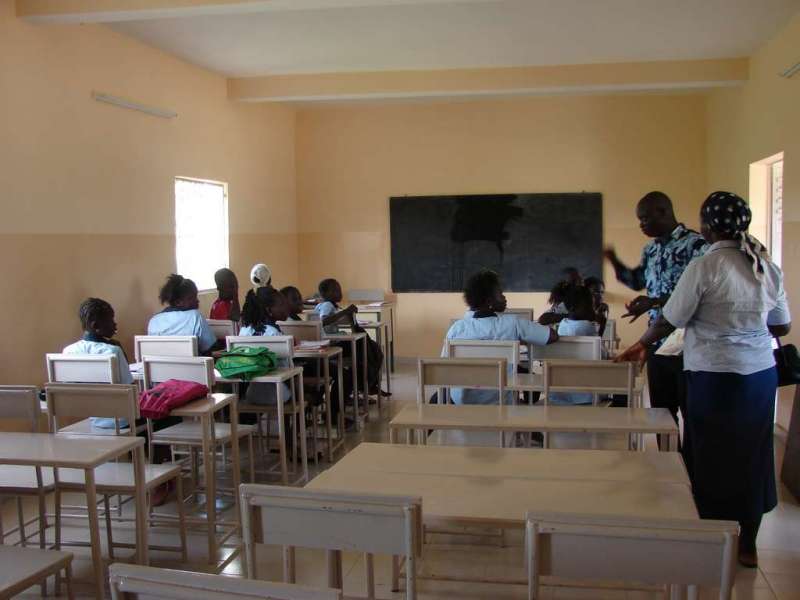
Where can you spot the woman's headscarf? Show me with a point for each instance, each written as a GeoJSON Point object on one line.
{"type": "Point", "coordinates": [728, 214]}
{"type": "Point", "coordinates": [260, 276]}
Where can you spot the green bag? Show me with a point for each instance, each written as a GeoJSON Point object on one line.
{"type": "Point", "coordinates": [246, 362]}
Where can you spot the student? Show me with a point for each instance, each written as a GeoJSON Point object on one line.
{"type": "Point", "coordinates": [263, 308]}
{"type": "Point", "coordinates": [579, 321]}
{"type": "Point", "coordinates": [99, 327]}
{"type": "Point", "coordinates": [226, 306]}
{"type": "Point", "coordinates": [328, 310]}
{"type": "Point", "coordinates": [598, 290]}
{"type": "Point", "coordinates": [295, 300]}
{"type": "Point", "coordinates": [558, 309]}
{"type": "Point", "coordinates": [181, 316]}
{"type": "Point", "coordinates": [484, 295]}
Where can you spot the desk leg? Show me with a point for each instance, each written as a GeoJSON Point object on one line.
{"type": "Point", "coordinates": [326, 378]}
{"type": "Point", "coordinates": [235, 455]}
{"type": "Point", "coordinates": [340, 370]}
{"type": "Point", "coordinates": [299, 393]}
{"type": "Point", "coordinates": [282, 437]}
{"type": "Point", "coordinates": [392, 435]}
{"type": "Point", "coordinates": [386, 361]}
{"type": "Point", "coordinates": [94, 533]}
{"type": "Point", "coordinates": [334, 562]}
{"type": "Point", "coordinates": [143, 555]}
{"type": "Point", "coordinates": [208, 468]}
{"type": "Point", "coordinates": [354, 373]}
{"type": "Point", "coordinates": [365, 380]}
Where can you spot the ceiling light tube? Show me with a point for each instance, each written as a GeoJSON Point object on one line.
{"type": "Point", "coordinates": [123, 103]}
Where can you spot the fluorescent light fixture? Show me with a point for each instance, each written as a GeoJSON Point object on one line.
{"type": "Point", "coordinates": [123, 103]}
{"type": "Point", "coordinates": [793, 70]}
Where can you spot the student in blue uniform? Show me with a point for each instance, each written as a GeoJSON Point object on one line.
{"type": "Point", "coordinates": [579, 321]}
{"type": "Point", "coordinates": [484, 295]}
{"type": "Point", "coordinates": [99, 327]}
{"type": "Point", "coordinates": [295, 300]}
{"type": "Point", "coordinates": [182, 317]}
{"type": "Point", "coordinates": [328, 310]}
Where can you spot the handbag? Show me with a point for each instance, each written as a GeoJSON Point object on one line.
{"type": "Point", "coordinates": [787, 363]}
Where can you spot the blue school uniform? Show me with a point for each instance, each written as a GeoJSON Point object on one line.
{"type": "Point", "coordinates": [94, 345]}
{"type": "Point", "coordinates": [570, 327]}
{"type": "Point", "coordinates": [264, 393]}
{"type": "Point", "coordinates": [172, 321]}
{"type": "Point", "coordinates": [490, 326]}
{"type": "Point", "coordinates": [325, 310]}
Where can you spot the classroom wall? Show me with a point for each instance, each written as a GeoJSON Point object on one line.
{"type": "Point", "coordinates": [87, 188]}
{"type": "Point", "coordinates": [751, 123]}
{"type": "Point", "coordinates": [350, 160]}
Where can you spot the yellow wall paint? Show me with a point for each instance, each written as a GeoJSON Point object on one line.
{"type": "Point", "coordinates": [350, 160]}
{"type": "Point", "coordinates": [87, 188]}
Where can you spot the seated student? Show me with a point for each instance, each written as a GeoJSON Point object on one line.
{"type": "Point", "coordinates": [598, 290]}
{"type": "Point", "coordinates": [295, 300]}
{"type": "Point", "coordinates": [328, 310]}
{"type": "Point", "coordinates": [181, 316]}
{"type": "Point", "coordinates": [226, 306]}
{"type": "Point", "coordinates": [262, 310]}
{"type": "Point", "coordinates": [558, 309]}
{"type": "Point", "coordinates": [484, 295]}
{"type": "Point", "coordinates": [99, 327]}
{"type": "Point", "coordinates": [579, 321]}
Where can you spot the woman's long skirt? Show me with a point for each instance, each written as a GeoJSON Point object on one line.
{"type": "Point", "coordinates": [729, 443]}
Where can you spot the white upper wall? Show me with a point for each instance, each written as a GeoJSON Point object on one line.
{"type": "Point", "coordinates": [311, 36]}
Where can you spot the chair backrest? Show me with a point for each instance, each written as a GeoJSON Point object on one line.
{"type": "Point", "coordinates": [463, 373]}
{"type": "Point", "coordinates": [366, 295]}
{"type": "Point", "coordinates": [20, 402]}
{"type": "Point", "coordinates": [610, 338]}
{"type": "Point", "coordinates": [373, 524]}
{"type": "Point", "coordinates": [164, 345]}
{"type": "Point", "coordinates": [156, 369]}
{"type": "Point", "coordinates": [282, 345]}
{"type": "Point", "coordinates": [82, 368]}
{"type": "Point", "coordinates": [593, 376]}
{"type": "Point", "coordinates": [507, 349]}
{"type": "Point", "coordinates": [656, 551]}
{"type": "Point", "coordinates": [580, 347]}
{"type": "Point", "coordinates": [222, 328]}
{"type": "Point", "coordinates": [523, 313]}
{"type": "Point", "coordinates": [84, 400]}
{"type": "Point", "coordinates": [130, 581]}
{"type": "Point", "coordinates": [302, 331]}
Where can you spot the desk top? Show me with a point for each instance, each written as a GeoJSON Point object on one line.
{"type": "Point", "coordinates": [485, 498]}
{"type": "Point", "coordinates": [324, 352]}
{"type": "Point", "coordinates": [276, 376]}
{"type": "Point", "coordinates": [24, 566]}
{"type": "Point", "coordinates": [520, 463]}
{"type": "Point", "coordinates": [582, 419]}
{"type": "Point", "coordinates": [204, 406]}
{"type": "Point", "coordinates": [346, 337]}
{"type": "Point", "coordinates": [77, 452]}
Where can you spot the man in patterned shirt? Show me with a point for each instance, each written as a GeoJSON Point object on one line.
{"type": "Point", "coordinates": [663, 262]}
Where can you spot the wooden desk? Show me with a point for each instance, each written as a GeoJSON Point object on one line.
{"type": "Point", "coordinates": [277, 378]}
{"type": "Point", "coordinates": [324, 356]}
{"type": "Point", "coordinates": [85, 453]}
{"type": "Point", "coordinates": [534, 382]}
{"type": "Point", "coordinates": [204, 410]}
{"type": "Point", "coordinates": [385, 314]}
{"type": "Point", "coordinates": [353, 339]}
{"type": "Point", "coordinates": [476, 495]}
{"type": "Point", "coordinates": [520, 463]}
{"type": "Point", "coordinates": [25, 567]}
{"type": "Point", "coordinates": [381, 329]}
{"type": "Point", "coordinates": [547, 419]}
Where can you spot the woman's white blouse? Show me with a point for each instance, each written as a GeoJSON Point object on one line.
{"type": "Point", "coordinates": [726, 310]}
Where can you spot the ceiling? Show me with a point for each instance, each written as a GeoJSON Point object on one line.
{"type": "Point", "coordinates": [458, 34]}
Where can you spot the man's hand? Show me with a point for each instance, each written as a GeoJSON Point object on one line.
{"type": "Point", "coordinates": [636, 353]}
{"type": "Point", "coordinates": [638, 306]}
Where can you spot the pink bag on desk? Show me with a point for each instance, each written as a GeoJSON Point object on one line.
{"type": "Point", "coordinates": [157, 402]}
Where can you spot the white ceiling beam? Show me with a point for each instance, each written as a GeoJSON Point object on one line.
{"type": "Point", "coordinates": [111, 11]}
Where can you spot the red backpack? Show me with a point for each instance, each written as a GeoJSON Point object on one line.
{"type": "Point", "coordinates": [158, 401]}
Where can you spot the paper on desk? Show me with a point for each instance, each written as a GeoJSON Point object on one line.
{"type": "Point", "coordinates": [375, 304]}
{"type": "Point", "coordinates": [314, 343]}
{"type": "Point", "coordinates": [673, 345]}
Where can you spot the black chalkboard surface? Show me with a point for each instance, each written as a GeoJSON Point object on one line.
{"type": "Point", "coordinates": [438, 241]}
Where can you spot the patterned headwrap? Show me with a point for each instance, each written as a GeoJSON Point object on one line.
{"type": "Point", "coordinates": [728, 214]}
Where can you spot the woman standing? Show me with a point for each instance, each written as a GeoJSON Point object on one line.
{"type": "Point", "coordinates": [731, 302]}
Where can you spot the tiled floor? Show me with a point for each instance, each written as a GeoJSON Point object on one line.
{"type": "Point", "coordinates": [778, 577]}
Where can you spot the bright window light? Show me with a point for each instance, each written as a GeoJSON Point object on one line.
{"type": "Point", "coordinates": [201, 229]}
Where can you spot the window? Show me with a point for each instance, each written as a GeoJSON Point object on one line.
{"type": "Point", "coordinates": [776, 214]}
{"type": "Point", "coordinates": [201, 229]}
{"type": "Point", "coordinates": [766, 202]}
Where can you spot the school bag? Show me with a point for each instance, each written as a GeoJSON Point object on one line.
{"type": "Point", "coordinates": [246, 362]}
{"type": "Point", "coordinates": [158, 401]}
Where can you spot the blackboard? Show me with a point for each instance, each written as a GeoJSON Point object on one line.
{"type": "Point", "coordinates": [438, 241]}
